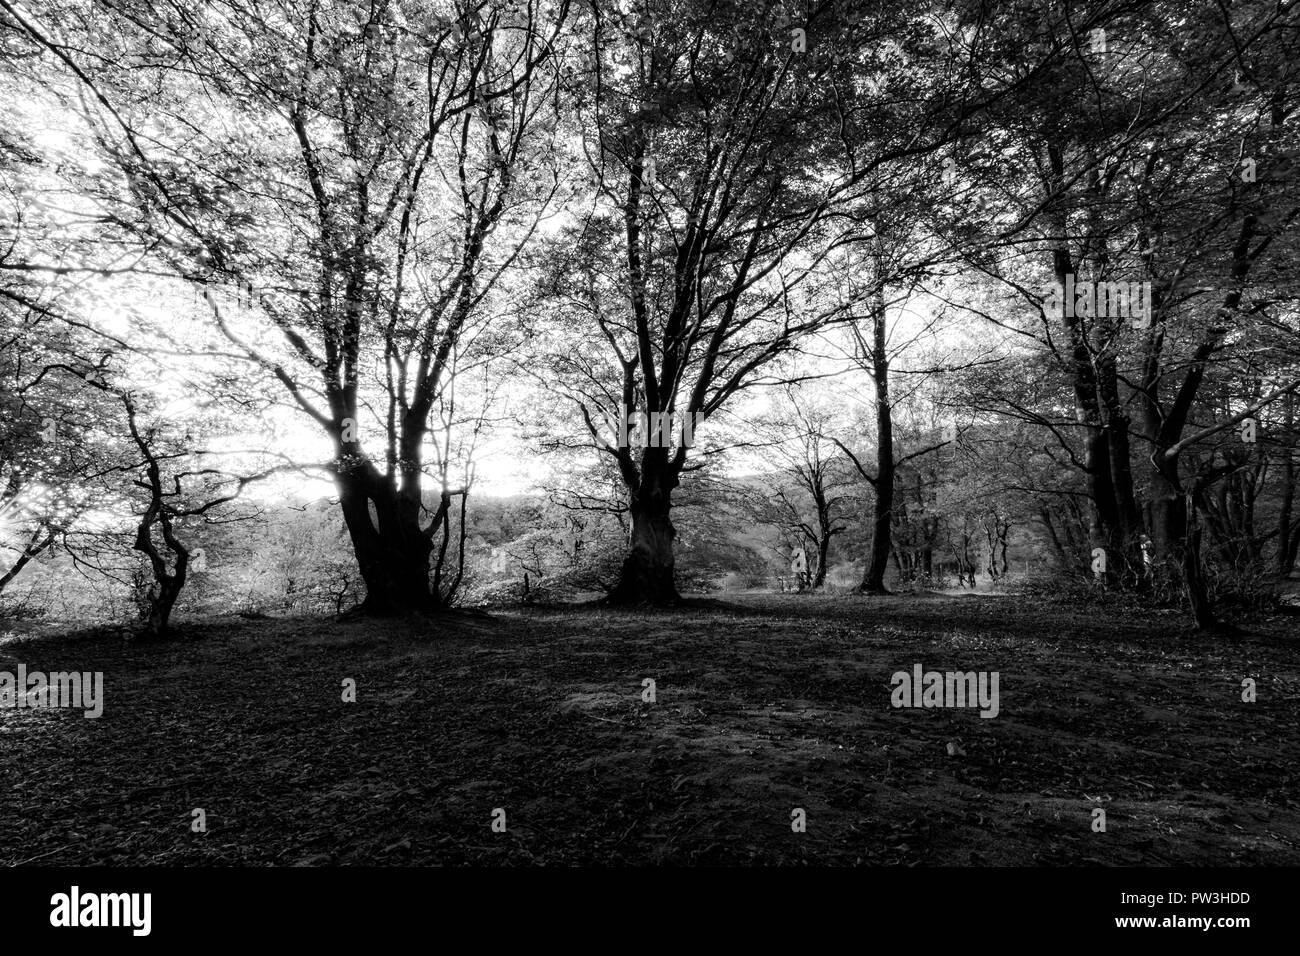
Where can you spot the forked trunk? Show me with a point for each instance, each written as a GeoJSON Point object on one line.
{"type": "Point", "coordinates": [392, 553]}
{"type": "Point", "coordinates": [157, 618]}
{"type": "Point", "coordinates": [157, 621]}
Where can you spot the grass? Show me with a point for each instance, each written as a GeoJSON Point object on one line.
{"type": "Point", "coordinates": [763, 705]}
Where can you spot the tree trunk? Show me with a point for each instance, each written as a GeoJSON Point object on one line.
{"type": "Point", "coordinates": [823, 551]}
{"type": "Point", "coordinates": [1064, 560]}
{"type": "Point", "coordinates": [873, 582]}
{"type": "Point", "coordinates": [38, 543]}
{"type": "Point", "coordinates": [157, 619]}
{"type": "Point", "coordinates": [1106, 451]}
{"type": "Point", "coordinates": [1167, 520]}
{"type": "Point", "coordinates": [1194, 579]}
{"type": "Point", "coordinates": [392, 551]}
{"type": "Point", "coordinates": [157, 622]}
{"type": "Point", "coordinates": [647, 576]}
{"type": "Point", "coordinates": [1287, 537]}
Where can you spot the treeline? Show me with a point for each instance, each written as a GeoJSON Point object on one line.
{"type": "Point", "coordinates": [1048, 243]}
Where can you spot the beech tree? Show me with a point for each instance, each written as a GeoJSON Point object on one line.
{"type": "Point", "coordinates": [1124, 176]}
{"type": "Point", "coordinates": [725, 145]}
{"type": "Point", "coordinates": [358, 179]}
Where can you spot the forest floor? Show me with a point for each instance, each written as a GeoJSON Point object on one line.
{"type": "Point", "coordinates": [762, 705]}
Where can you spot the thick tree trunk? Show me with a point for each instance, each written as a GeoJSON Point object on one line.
{"type": "Point", "coordinates": [1106, 529]}
{"type": "Point", "coordinates": [647, 576]}
{"type": "Point", "coordinates": [397, 582]}
{"type": "Point", "coordinates": [392, 551]}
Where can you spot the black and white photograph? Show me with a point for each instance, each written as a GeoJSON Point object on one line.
{"type": "Point", "coordinates": [734, 438]}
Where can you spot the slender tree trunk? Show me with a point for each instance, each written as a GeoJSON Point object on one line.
{"type": "Point", "coordinates": [157, 622]}
{"type": "Point", "coordinates": [39, 541]}
{"type": "Point", "coordinates": [157, 618]}
{"type": "Point", "coordinates": [967, 559]}
{"type": "Point", "coordinates": [873, 582]}
{"type": "Point", "coordinates": [1105, 453]}
{"type": "Point", "coordinates": [1194, 579]}
{"type": "Point", "coordinates": [823, 551]}
{"type": "Point", "coordinates": [1287, 538]}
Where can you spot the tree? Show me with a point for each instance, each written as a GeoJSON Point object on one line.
{"type": "Point", "coordinates": [1139, 193]}
{"type": "Point", "coordinates": [810, 488]}
{"type": "Point", "coordinates": [727, 145]}
{"type": "Point", "coordinates": [360, 179]}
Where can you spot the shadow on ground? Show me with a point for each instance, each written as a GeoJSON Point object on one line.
{"type": "Point", "coordinates": [762, 706]}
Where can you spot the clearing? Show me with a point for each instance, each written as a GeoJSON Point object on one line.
{"type": "Point", "coordinates": [763, 704]}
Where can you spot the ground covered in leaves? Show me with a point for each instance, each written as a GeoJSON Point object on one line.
{"type": "Point", "coordinates": [762, 705]}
